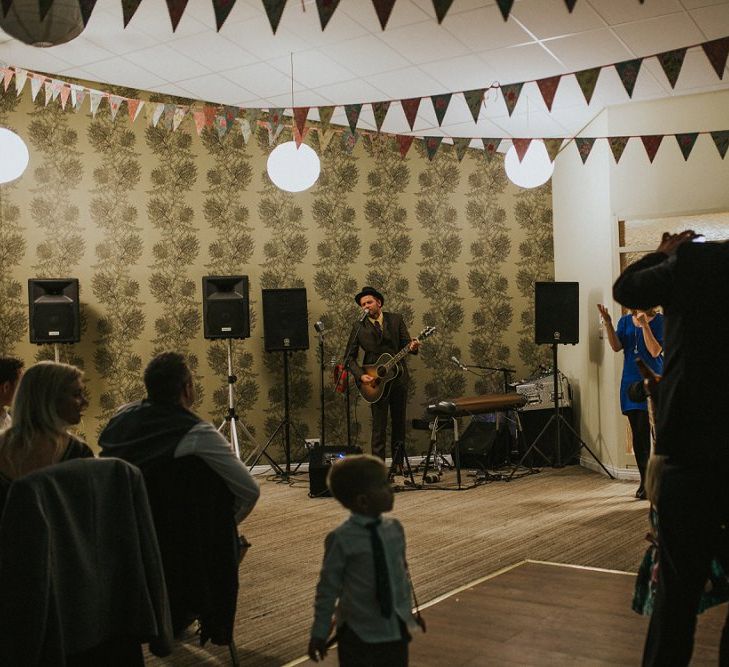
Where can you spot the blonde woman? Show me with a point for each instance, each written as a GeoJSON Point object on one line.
{"type": "Point", "coordinates": [49, 398]}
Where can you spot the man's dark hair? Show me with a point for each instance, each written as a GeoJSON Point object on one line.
{"type": "Point", "coordinates": [165, 377]}
{"type": "Point", "coordinates": [10, 368]}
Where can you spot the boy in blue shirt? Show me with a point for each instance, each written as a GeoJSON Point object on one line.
{"type": "Point", "coordinates": [364, 579]}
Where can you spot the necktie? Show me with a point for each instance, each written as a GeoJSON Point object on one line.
{"type": "Point", "coordinates": [378, 328]}
{"type": "Point", "coordinates": [382, 576]}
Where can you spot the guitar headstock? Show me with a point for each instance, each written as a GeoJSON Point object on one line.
{"type": "Point", "coordinates": [428, 331]}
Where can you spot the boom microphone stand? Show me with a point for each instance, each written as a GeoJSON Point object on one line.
{"type": "Point", "coordinates": [319, 327]}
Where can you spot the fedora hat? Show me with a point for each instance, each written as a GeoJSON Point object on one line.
{"type": "Point", "coordinates": [369, 291]}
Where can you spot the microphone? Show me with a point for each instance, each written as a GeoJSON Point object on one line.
{"type": "Point", "coordinates": [365, 315]}
{"type": "Point", "coordinates": [319, 326]}
{"type": "Point", "coordinates": [458, 363]}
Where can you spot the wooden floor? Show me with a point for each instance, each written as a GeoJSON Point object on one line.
{"type": "Point", "coordinates": [543, 614]}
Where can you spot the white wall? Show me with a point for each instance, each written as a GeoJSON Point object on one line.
{"type": "Point", "coordinates": [588, 201]}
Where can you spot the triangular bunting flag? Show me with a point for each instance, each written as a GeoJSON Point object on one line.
{"type": "Point", "coordinates": [44, 6]}
{"type": "Point", "coordinates": [686, 143]}
{"type": "Point", "coordinates": [86, 6]}
{"type": "Point", "coordinates": [6, 6]}
{"type": "Point", "coordinates": [198, 115]}
{"type": "Point", "coordinates": [505, 7]}
{"type": "Point", "coordinates": [511, 94]}
{"type": "Point", "coordinates": [717, 51]}
{"type": "Point", "coordinates": [651, 142]}
{"type": "Point", "coordinates": [617, 146]}
{"type": "Point", "coordinates": [440, 105]}
{"type": "Point", "coordinates": [65, 92]}
{"type": "Point", "coordinates": [275, 124]}
{"type": "Point", "coordinates": [210, 114]}
{"type": "Point", "coordinates": [56, 87]}
{"type": "Point", "coordinates": [587, 78]}
{"type": "Point", "coordinates": [721, 141]}
{"type": "Point", "coordinates": [222, 9]}
{"type": "Point", "coordinates": [168, 116]}
{"type": "Point", "coordinates": [156, 114]}
{"type": "Point", "coordinates": [78, 95]}
{"type": "Point", "coordinates": [134, 107]}
{"type": "Point", "coordinates": [474, 100]}
{"type": "Point", "coordinates": [548, 88]}
{"type": "Point", "coordinates": [379, 109]}
{"type": "Point", "coordinates": [325, 138]}
{"type": "Point", "coordinates": [349, 140]}
{"type": "Point", "coordinates": [274, 9]}
{"type": "Point", "coordinates": [221, 126]}
{"type": "Point", "coordinates": [628, 73]}
{"type": "Point", "coordinates": [7, 77]}
{"type": "Point", "coordinates": [410, 107]}
{"type": "Point", "coordinates": [179, 116]}
{"type": "Point", "coordinates": [584, 146]}
{"type": "Point", "coordinates": [176, 8]}
{"type": "Point", "coordinates": [36, 81]}
{"type": "Point", "coordinates": [325, 116]}
{"type": "Point", "coordinates": [249, 123]}
{"type": "Point", "coordinates": [490, 146]}
{"type": "Point", "coordinates": [352, 112]}
{"type": "Point", "coordinates": [115, 102]}
{"type": "Point", "coordinates": [128, 9]}
{"type": "Point", "coordinates": [326, 9]}
{"type": "Point", "coordinates": [461, 146]}
{"type": "Point", "coordinates": [299, 137]}
{"type": "Point", "coordinates": [231, 113]}
{"type": "Point", "coordinates": [441, 8]}
{"type": "Point", "coordinates": [21, 76]}
{"type": "Point", "coordinates": [570, 5]}
{"type": "Point", "coordinates": [672, 62]}
{"type": "Point", "coordinates": [432, 144]}
{"type": "Point", "coordinates": [404, 142]}
{"type": "Point", "coordinates": [48, 87]}
{"type": "Point", "coordinates": [383, 9]}
{"type": "Point", "coordinates": [95, 100]}
{"type": "Point", "coordinates": [300, 114]}
{"type": "Point", "coordinates": [553, 146]}
{"type": "Point", "coordinates": [521, 146]}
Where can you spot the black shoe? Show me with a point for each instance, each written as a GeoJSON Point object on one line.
{"type": "Point", "coordinates": [640, 493]}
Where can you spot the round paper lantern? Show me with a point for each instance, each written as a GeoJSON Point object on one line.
{"type": "Point", "coordinates": [62, 23]}
{"type": "Point", "coordinates": [13, 155]}
{"type": "Point", "coordinates": [534, 170]}
{"type": "Point", "coordinates": [293, 169]}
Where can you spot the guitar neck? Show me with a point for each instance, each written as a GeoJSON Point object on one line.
{"type": "Point", "coordinates": [395, 359]}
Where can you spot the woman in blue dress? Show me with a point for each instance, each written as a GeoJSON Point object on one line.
{"type": "Point", "coordinates": [638, 334]}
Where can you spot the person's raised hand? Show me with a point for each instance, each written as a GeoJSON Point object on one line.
{"type": "Point", "coordinates": [605, 314]}
{"type": "Point", "coordinates": [317, 649]}
{"type": "Point", "coordinates": [641, 320]}
{"type": "Point", "coordinates": [670, 242]}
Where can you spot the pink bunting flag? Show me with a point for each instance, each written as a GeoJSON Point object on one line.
{"type": "Point", "coordinates": [521, 146]}
{"type": "Point", "coordinates": [548, 88]}
{"type": "Point", "coordinates": [65, 92]}
{"type": "Point", "coordinates": [410, 107]}
{"type": "Point", "coordinates": [210, 113]}
{"type": "Point", "coordinates": [48, 88]}
{"type": "Point", "coordinates": [21, 76]}
{"type": "Point", "coordinates": [404, 142]}
{"type": "Point", "coordinates": [7, 77]}
{"type": "Point", "coordinates": [383, 9]}
{"type": "Point", "coordinates": [199, 117]}
{"type": "Point", "coordinates": [115, 102]}
{"type": "Point", "coordinates": [178, 116]}
{"type": "Point", "coordinates": [78, 95]}
{"type": "Point", "coordinates": [651, 142]}
{"type": "Point", "coordinates": [275, 124]}
{"type": "Point", "coordinates": [95, 97]}
{"type": "Point", "coordinates": [134, 107]}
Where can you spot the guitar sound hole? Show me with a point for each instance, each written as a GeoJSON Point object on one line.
{"type": "Point", "coordinates": [381, 371]}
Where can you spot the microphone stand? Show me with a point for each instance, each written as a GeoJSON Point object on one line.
{"type": "Point", "coordinates": [506, 371]}
{"type": "Point", "coordinates": [320, 332]}
{"type": "Point", "coordinates": [345, 368]}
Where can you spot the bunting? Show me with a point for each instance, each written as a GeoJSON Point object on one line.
{"type": "Point", "coordinates": [379, 109]}
{"type": "Point", "coordinates": [460, 144]}
{"type": "Point", "coordinates": [553, 145]}
{"type": "Point", "coordinates": [349, 140]}
{"type": "Point", "coordinates": [628, 72]}
{"type": "Point", "coordinates": [95, 100]}
{"type": "Point", "coordinates": [222, 9]}
{"type": "Point", "coordinates": [178, 116]}
{"type": "Point", "coordinates": [441, 8]}
{"type": "Point", "coordinates": [474, 100]}
{"type": "Point", "coordinates": [721, 141]}
{"type": "Point", "coordinates": [65, 92]}
{"type": "Point", "coordinates": [198, 115]}
{"type": "Point", "coordinates": [325, 117]}
{"type": "Point", "coordinates": [176, 8]}
{"type": "Point", "coordinates": [440, 106]}
{"type": "Point", "coordinates": [326, 9]}
{"type": "Point", "coordinates": [35, 85]}
{"type": "Point", "coordinates": [505, 7]}
{"type": "Point", "coordinates": [156, 114]}
{"type": "Point", "coordinates": [352, 112]}
{"type": "Point", "coordinates": [78, 95]}
{"type": "Point", "coordinates": [300, 115]}
{"type": "Point", "coordinates": [300, 136]}
{"type": "Point", "coordinates": [548, 88]}
{"type": "Point", "coordinates": [511, 94]}
{"type": "Point", "coordinates": [617, 146]}
{"type": "Point", "coordinates": [275, 124]}
{"type": "Point", "coordinates": [7, 78]}
{"type": "Point", "coordinates": [248, 122]}
{"type": "Point", "coordinates": [274, 9]}
{"type": "Point", "coordinates": [404, 142]}
{"type": "Point", "coordinates": [44, 7]}
{"type": "Point", "coordinates": [490, 146]}
{"type": "Point", "coordinates": [717, 51]}
{"type": "Point", "coordinates": [134, 107]}
{"type": "Point", "coordinates": [410, 107]}
{"type": "Point", "coordinates": [432, 144]}
{"type": "Point", "coordinates": [129, 7]}
{"type": "Point", "coordinates": [86, 7]}
{"type": "Point", "coordinates": [570, 5]}
{"type": "Point", "coordinates": [383, 9]}
{"type": "Point", "coordinates": [672, 62]}
{"type": "Point", "coordinates": [584, 147]}
{"type": "Point", "coordinates": [209, 113]}
{"type": "Point", "coordinates": [686, 143]}
{"type": "Point", "coordinates": [21, 76]}
{"type": "Point", "coordinates": [521, 146]}
{"type": "Point", "coordinates": [115, 102]}
{"type": "Point", "coordinates": [651, 142]}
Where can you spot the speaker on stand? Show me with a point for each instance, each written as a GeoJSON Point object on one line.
{"type": "Point", "coordinates": [54, 315]}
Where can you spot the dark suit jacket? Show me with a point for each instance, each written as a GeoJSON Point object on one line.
{"type": "Point", "coordinates": [693, 405]}
{"type": "Point", "coordinates": [395, 336]}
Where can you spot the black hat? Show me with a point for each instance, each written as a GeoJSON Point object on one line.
{"type": "Point", "coordinates": [371, 291]}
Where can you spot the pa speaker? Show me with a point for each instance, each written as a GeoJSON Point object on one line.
{"type": "Point", "coordinates": [556, 313]}
{"type": "Point", "coordinates": [285, 319]}
{"type": "Point", "coordinates": [54, 310]}
{"type": "Point", "coordinates": [483, 446]}
{"type": "Point", "coordinates": [225, 307]}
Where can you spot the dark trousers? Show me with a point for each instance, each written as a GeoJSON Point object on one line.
{"type": "Point", "coordinates": [692, 508]}
{"type": "Point", "coordinates": [641, 430]}
{"type": "Point", "coordinates": [395, 403]}
{"type": "Point", "coordinates": [353, 652]}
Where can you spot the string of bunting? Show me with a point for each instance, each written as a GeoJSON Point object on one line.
{"type": "Point", "coordinates": [224, 118]}
{"type": "Point", "coordinates": [274, 9]}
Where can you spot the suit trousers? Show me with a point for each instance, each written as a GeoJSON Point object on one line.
{"type": "Point", "coordinates": [353, 652]}
{"type": "Point", "coordinates": [693, 507]}
{"type": "Point", "coordinates": [640, 429]}
{"type": "Point", "coordinates": [395, 404]}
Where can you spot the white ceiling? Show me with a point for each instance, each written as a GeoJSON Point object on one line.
{"type": "Point", "coordinates": [353, 60]}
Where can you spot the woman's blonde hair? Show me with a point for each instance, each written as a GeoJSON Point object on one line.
{"type": "Point", "coordinates": [35, 409]}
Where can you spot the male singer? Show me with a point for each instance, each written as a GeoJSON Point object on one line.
{"type": "Point", "coordinates": [378, 332]}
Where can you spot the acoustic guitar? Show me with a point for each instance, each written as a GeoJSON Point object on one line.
{"type": "Point", "coordinates": [385, 370]}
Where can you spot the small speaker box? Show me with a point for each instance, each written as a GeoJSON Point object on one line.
{"type": "Point", "coordinates": [54, 310]}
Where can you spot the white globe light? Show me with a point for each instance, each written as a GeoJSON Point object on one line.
{"type": "Point", "coordinates": [13, 156]}
{"type": "Point", "coordinates": [293, 169]}
{"type": "Point", "coordinates": [534, 170]}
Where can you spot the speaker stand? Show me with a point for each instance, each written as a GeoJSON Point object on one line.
{"type": "Point", "coordinates": [558, 420]}
{"type": "Point", "coordinates": [56, 353]}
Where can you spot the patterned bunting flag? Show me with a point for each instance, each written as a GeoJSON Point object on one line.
{"type": "Point", "coordinates": [326, 9]}
{"type": "Point", "coordinates": [134, 107]}
{"type": "Point", "coordinates": [249, 123]}
{"type": "Point", "coordinates": [441, 8]}
{"type": "Point", "coordinates": [404, 142]}
{"type": "Point", "coordinates": [721, 141]}
{"type": "Point", "coordinates": [115, 102]}
{"type": "Point", "coordinates": [44, 7]}
{"type": "Point", "coordinates": [570, 5]}
{"type": "Point", "coordinates": [474, 100]}
{"type": "Point", "coordinates": [128, 9]}
{"type": "Point", "coordinates": [36, 81]}
{"type": "Point", "coordinates": [7, 78]}
{"type": "Point", "coordinates": [521, 146]}
{"type": "Point", "coordinates": [156, 114]}
{"type": "Point", "coordinates": [210, 113]}
{"type": "Point", "coordinates": [461, 145]}
{"type": "Point", "coordinates": [505, 7]}
{"type": "Point", "coordinates": [352, 112]}
{"type": "Point", "coordinates": [78, 95]}
{"type": "Point", "coordinates": [86, 6]}
{"type": "Point", "coordinates": [511, 94]}
{"type": "Point", "coordinates": [299, 136]}
{"type": "Point", "coordinates": [686, 143]}
{"type": "Point", "coordinates": [651, 142]}
{"type": "Point", "coordinates": [198, 115]}
{"type": "Point", "coordinates": [440, 105]}
{"type": "Point", "coordinates": [717, 51]}
{"type": "Point", "coordinates": [95, 97]}
{"type": "Point", "coordinates": [176, 9]}
{"type": "Point", "coordinates": [300, 115]}
{"type": "Point", "coordinates": [379, 109]}
{"type": "Point", "coordinates": [178, 116]}
{"type": "Point", "coordinates": [432, 144]}
{"type": "Point", "coordinates": [231, 113]}
{"type": "Point", "coordinates": [584, 146]}
{"type": "Point", "coordinates": [628, 72]}
{"type": "Point", "coordinates": [275, 124]}
{"type": "Point", "coordinates": [274, 9]}
{"type": "Point", "coordinates": [222, 9]}
{"type": "Point", "coordinates": [410, 107]}
{"type": "Point", "coordinates": [548, 88]}
{"type": "Point", "coordinates": [553, 145]}
{"type": "Point", "coordinates": [21, 76]}
{"type": "Point", "coordinates": [490, 146]}
{"type": "Point", "coordinates": [617, 146]}
{"type": "Point", "coordinates": [168, 117]}
{"type": "Point", "coordinates": [587, 79]}
{"type": "Point", "coordinates": [383, 9]}
{"type": "Point", "coordinates": [672, 62]}
{"type": "Point", "coordinates": [221, 125]}
{"type": "Point", "coordinates": [6, 6]}
{"type": "Point", "coordinates": [56, 87]}
{"type": "Point", "coordinates": [349, 140]}
{"type": "Point", "coordinates": [65, 92]}
{"type": "Point", "coordinates": [325, 116]}
{"type": "Point", "coordinates": [48, 87]}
